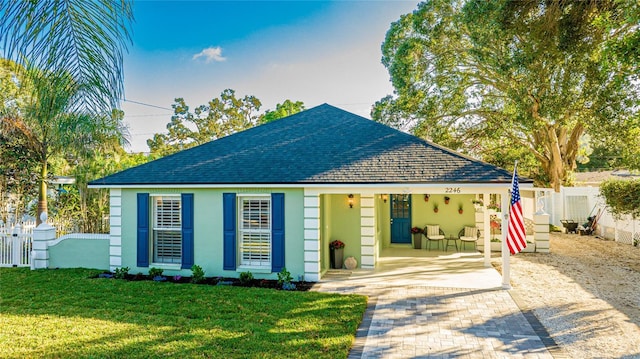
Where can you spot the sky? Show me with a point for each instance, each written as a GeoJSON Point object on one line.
{"type": "Point", "coordinates": [311, 51]}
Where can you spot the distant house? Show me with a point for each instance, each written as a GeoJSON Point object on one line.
{"type": "Point", "coordinates": [276, 195]}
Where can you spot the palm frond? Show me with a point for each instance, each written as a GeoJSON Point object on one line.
{"type": "Point", "coordinates": [85, 39]}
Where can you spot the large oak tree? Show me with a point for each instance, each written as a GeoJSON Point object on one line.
{"type": "Point", "coordinates": [515, 78]}
{"type": "Point", "coordinates": [220, 117]}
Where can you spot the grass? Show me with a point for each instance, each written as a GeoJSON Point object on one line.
{"type": "Point", "coordinates": [64, 314]}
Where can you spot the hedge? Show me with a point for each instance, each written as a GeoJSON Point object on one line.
{"type": "Point", "coordinates": [622, 197]}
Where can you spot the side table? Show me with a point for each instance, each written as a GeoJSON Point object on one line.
{"type": "Point", "coordinates": [455, 243]}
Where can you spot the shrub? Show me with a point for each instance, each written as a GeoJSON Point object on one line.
{"type": "Point", "coordinates": [288, 286]}
{"type": "Point", "coordinates": [284, 276]}
{"type": "Point", "coordinates": [121, 273]}
{"type": "Point", "coordinates": [246, 278]}
{"type": "Point", "coordinates": [622, 197]}
{"type": "Point", "coordinates": [197, 274]}
{"type": "Point", "coordinates": [155, 272]}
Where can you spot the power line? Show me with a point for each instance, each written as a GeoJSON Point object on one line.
{"type": "Point", "coordinates": [149, 115]}
{"type": "Point", "coordinates": [147, 104]}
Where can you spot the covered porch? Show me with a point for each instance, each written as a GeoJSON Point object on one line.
{"type": "Point", "coordinates": [375, 226]}
{"type": "Point", "coordinates": [403, 266]}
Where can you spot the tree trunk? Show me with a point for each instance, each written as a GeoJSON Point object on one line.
{"type": "Point", "coordinates": [558, 151]}
{"type": "Point", "coordinates": [562, 154]}
{"type": "Point", "coordinates": [42, 193]}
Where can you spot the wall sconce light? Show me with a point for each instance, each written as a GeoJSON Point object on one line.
{"type": "Point", "coordinates": [384, 197]}
{"type": "Point", "coordinates": [350, 200]}
{"type": "Point", "coordinates": [426, 198]}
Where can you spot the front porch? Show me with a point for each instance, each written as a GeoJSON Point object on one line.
{"type": "Point", "coordinates": [404, 266]}
{"type": "Point", "coordinates": [375, 228]}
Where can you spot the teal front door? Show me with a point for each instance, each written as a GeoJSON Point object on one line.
{"type": "Point", "coordinates": [400, 218]}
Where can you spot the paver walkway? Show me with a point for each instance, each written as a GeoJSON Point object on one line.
{"type": "Point", "coordinates": [422, 321]}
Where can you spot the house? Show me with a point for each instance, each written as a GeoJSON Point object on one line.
{"type": "Point", "coordinates": [275, 195]}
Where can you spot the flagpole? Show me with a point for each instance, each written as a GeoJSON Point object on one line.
{"type": "Point", "coordinates": [506, 255]}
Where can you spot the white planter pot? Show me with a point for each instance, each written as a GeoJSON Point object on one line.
{"type": "Point", "coordinates": [497, 247]}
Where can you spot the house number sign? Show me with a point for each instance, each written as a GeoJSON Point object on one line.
{"type": "Point", "coordinates": [452, 190]}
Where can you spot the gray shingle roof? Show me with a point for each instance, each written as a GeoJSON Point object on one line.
{"type": "Point", "coordinates": [321, 145]}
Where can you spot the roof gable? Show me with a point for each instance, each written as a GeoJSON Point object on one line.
{"type": "Point", "coordinates": [322, 145]}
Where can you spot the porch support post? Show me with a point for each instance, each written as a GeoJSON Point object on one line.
{"type": "Point", "coordinates": [42, 234]}
{"type": "Point", "coordinates": [486, 231]}
{"type": "Point", "coordinates": [506, 255]}
{"type": "Point", "coordinates": [311, 237]}
{"type": "Point", "coordinates": [115, 229]}
{"type": "Point", "coordinates": [541, 232]}
{"type": "Point", "coordinates": [367, 232]}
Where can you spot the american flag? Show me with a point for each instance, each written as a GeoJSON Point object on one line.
{"type": "Point", "coordinates": [516, 237]}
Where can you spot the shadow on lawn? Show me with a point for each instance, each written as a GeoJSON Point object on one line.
{"type": "Point", "coordinates": [62, 313]}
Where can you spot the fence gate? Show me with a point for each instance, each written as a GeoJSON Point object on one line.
{"type": "Point", "coordinates": [15, 246]}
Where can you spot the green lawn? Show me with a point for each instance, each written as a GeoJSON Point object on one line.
{"type": "Point", "coordinates": [64, 314]}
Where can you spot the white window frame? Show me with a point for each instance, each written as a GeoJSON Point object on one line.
{"type": "Point", "coordinates": [172, 225]}
{"type": "Point", "coordinates": [257, 235]}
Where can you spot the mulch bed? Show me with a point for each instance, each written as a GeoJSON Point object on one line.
{"type": "Point", "coordinates": [256, 283]}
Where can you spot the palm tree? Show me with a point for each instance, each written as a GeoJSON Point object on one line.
{"type": "Point", "coordinates": [71, 57]}
{"type": "Point", "coordinates": [84, 39]}
{"type": "Point", "coordinates": [49, 124]}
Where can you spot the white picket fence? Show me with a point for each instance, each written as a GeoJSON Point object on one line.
{"type": "Point", "coordinates": [16, 243]}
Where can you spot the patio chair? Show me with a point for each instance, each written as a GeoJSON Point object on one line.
{"type": "Point", "coordinates": [433, 234]}
{"type": "Point", "coordinates": [469, 235]}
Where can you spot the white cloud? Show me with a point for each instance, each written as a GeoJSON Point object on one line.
{"type": "Point", "coordinates": [210, 54]}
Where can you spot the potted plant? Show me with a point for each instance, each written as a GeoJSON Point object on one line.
{"type": "Point", "coordinates": [336, 253]}
{"type": "Point", "coordinates": [417, 237]}
{"type": "Point", "coordinates": [495, 224]}
{"type": "Point", "coordinates": [530, 248]}
{"type": "Point", "coordinates": [426, 198]}
{"type": "Point", "coordinates": [435, 207]}
{"type": "Point", "coordinates": [478, 204]}
{"type": "Point", "coordinates": [496, 245]}
{"type": "Point", "coordinates": [460, 208]}
{"type": "Point", "coordinates": [446, 199]}
{"type": "Point", "coordinates": [494, 207]}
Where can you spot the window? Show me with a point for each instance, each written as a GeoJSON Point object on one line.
{"type": "Point", "coordinates": [167, 230]}
{"type": "Point", "coordinates": [254, 231]}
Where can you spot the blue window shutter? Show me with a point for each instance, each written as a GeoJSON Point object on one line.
{"type": "Point", "coordinates": [187, 230]}
{"type": "Point", "coordinates": [277, 232]}
{"type": "Point", "coordinates": [143, 230]}
{"type": "Point", "coordinates": [229, 229]}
